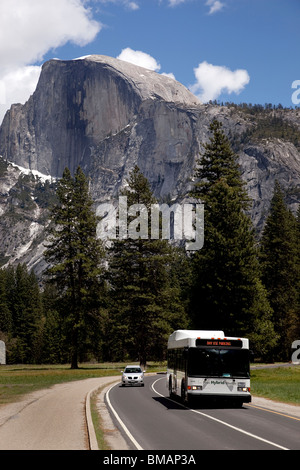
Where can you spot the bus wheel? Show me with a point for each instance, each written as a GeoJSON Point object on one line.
{"type": "Point", "coordinates": [170, 388]}
{"type": "Point", "coordinates": [184, 396]}
{"type": "Point", "coordinates": [238, 403]}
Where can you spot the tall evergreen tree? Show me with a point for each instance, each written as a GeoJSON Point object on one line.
{"type": "Point", "coordinates": [228, 293]}
{"type": "Point", "coordinates": [146, 302]}
{"type": "Point", "coordinates": [75, 256]}
{"type": "Point", "coordinates": [24, 303]}
{"type": "Point", "coordinates": [219, 163]}
{"type": "Point", "coordinates": [279, 256]}
{"type": "Point", "coordinates": [55, 347]}
{"type": "Point", "coordinates": [5, 313]}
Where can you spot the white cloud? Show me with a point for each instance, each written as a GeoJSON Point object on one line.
{"type": "Point", "coordinates": [28, 30]}
{"type": "Point", "coordinates": [142, 59]}
{"type": "Point", "coordinates": [215, 5]}
{"type": "Point", "coordinates": [170, 75]}
{"type": "Point", "coordinates": [126, 3]}
{"type": "Point", "coordinates": [212, 80]}
{"type": "Point", "coordinates": [17, 85]}
{"type": "Point", "coordinates": [20, 82]}
{"type": "Point", "coordinates": [173, 3]}
{"type": "Point", "coordinates": [139, 58]}
{"type": "Point", "coordinates": [132, 5]}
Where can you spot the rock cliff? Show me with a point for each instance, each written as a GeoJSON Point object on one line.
{"type": "Point", "coordinates": [107, 115]}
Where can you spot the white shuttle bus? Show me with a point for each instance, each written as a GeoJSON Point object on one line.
{"type": "Point", "coordinates": [208, 363]}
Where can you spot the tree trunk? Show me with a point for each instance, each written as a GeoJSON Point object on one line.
{"type": "Point", "coordinates": [74, 357]}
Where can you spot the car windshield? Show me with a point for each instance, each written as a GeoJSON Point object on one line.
{"type": "Point", "coordinates": [132, 370]}
{"type": "Point", "coordinates": [218, 362]}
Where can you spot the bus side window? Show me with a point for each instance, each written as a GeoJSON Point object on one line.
{"type": "Point", "coordinates": [171, 358]}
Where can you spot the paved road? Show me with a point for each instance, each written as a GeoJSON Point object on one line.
{"type": "Point", "coordinates": [55, 419]}
{"type": "Point", "coordinates": [158, 423]}
{"type": "Point", "coordinates": [51, 419]}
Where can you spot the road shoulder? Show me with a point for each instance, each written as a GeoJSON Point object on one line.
{"type": "Point", "coordinates": [279, 407]}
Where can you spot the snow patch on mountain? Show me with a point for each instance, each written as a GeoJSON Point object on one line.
{"type": "Point", "coordinates": [37, 174]}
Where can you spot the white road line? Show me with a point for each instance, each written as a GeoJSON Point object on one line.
{"type": "Point", "coordinates": [223, 422]}
{"type": "Point", "coordinates": [126, 430]}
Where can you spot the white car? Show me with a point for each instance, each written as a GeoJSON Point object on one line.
{"type": "Point", "coordinates": [133, 375]}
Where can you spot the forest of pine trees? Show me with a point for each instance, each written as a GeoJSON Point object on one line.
{"type": "Point", "coordinates": [120, 302]}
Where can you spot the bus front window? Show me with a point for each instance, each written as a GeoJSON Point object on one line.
{"type": "Point", "coordinates": [209, 362]}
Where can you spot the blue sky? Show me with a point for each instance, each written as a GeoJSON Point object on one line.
{"type": "Point", "coordinates": [228, 50]}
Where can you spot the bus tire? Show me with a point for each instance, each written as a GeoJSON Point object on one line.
{"type": "Point", "coordinates": [238, 403]}
{"type": "Point", "coordinates": [170, 388]}
{"type": "Point", "coordinates": [184, 395]}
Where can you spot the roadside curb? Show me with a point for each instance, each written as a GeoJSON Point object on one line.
{"type": "Point", "coordinates": [112, 435]}
{"type": "Point", "coordinates": [90, 427]}
{"type": "Point", "coordinates": [105, 416]}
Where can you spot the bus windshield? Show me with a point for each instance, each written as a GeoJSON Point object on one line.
{"type": "Point", "coordinates": [209, 362]}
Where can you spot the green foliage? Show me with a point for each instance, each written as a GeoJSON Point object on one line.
{"type": "Point", "coordinates": [272, 127]}
{"type": "Point", "coordinates": [279, 383]}
{"type": "Point", "coordinates": [150, 288]}
{"type": "Point", "coordinates": [3, 167]}
{"type": "Point", "coordinates": [147, 305]}
{"type": "Point", "coordinates": [279, 255]}
{"type": "Point", "coordinates": [45, 194]}
{"type": "Point", "coordinates": [264, 122]}
{"type": "Point", "coordinates": [227, 292]}
{"type": "Point", "coordinates": [219, 163]}
{"type": "Point", "coordinates": [20, 314]}
{"type": "Point", "coordinates": [5, 312]}
{"type": "Point", "coordinates": [75, 254]}
{"type": "Point", "coordinates": [21, 192]}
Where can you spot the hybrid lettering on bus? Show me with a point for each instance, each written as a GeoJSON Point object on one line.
{"type": "Point", "coordinates": [208, 363]}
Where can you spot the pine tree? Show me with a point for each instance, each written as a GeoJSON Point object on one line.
{"type": "Point", "coordinates": [24, 302]}
{"type": "Point", "coordinates": [54, 341]}
{"type": "Point", "coordinates": [146, 303]}
{"type": "Point", "coordinates": [228, 293]}
{"type": "Point", "coordinates": [279, 256]}
{"type": "Point", "coordinates": [5, 314]}
{"type": "Point", "coordinates": [217, 163]}
{"type": "Point", "coordinates": [75, 257]}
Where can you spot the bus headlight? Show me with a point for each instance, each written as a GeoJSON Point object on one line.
{"type": "Point", "coordinates": [194, 387]}
{"type": "Point", "coordinates": [243, 389]}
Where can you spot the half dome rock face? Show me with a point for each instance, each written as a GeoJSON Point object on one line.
{"type": "Point", "coordinates": [146, 83]}
{"type": "Point", "coordinates": [77, 104]}
{"type": "Point", "coordinates": [107, 115]}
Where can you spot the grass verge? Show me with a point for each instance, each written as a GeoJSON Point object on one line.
{"type": "Point", "coordinates": [19, 380]}
{"type": "Point", "coordinates": [97, 422]}
{"type": "Point", "coordinates": [280, 384]}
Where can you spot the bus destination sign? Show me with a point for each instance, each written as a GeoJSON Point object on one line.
{"type": "Point", "coordinates": [219, 343]}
